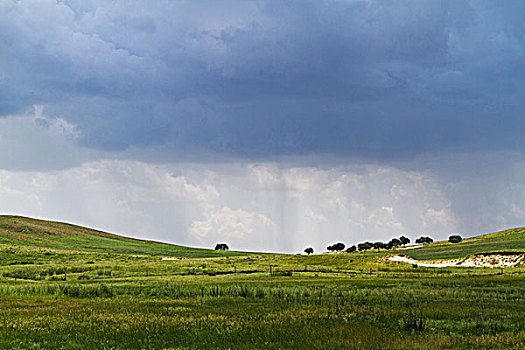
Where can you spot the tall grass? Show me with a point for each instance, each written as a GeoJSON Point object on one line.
{"type": "Point", "coordinates": [446, 312]}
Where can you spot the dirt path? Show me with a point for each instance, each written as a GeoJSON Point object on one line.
{"type": "Point", "coordinates": [478, 260]}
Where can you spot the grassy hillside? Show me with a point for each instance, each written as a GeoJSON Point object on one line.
{"type": "Point", "coordinates": [22, 232]}
{"type": "Point", "coordinates": [508, 240]}
{"type": "Point", "coordinates": [68, 287]}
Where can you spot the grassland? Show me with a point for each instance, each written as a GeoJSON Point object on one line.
{"type": "Point", "coordinates": [511, 240]}
{"type": "Point", "coordinates": [109, 292]}
{"type": "Point", "coordinates": [21, 231]}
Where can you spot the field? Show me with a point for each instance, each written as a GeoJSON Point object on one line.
{"type": "Point", "coordinates": [65, 287]}
{"type": "Point", "coordinates": [508, 240]}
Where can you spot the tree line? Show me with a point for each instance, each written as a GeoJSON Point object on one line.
{"type": "Point", "coordinates": [392, 244]}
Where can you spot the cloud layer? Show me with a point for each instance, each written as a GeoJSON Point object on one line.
{"type": "Point", "coordinates": [375, 79]}
{"type": "Point", "coordinates": [262, 206]}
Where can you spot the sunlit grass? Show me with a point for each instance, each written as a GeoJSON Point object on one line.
{"type": "Point", "coordinates": [106, 292]}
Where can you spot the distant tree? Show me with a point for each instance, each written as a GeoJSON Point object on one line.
{"type": "Point", "coordinates": [404, 240]}
{"type": "Point", "coordinates": [394, 243]}
{"type": "Point", "coordinates": [351, 249]}
{"type": "Point", "coordinates": [455, 239]}
{"type": "Point", "coordinates": [424, 240]}
{"type": "Point", "coordinates": [222, 246]}
{"type": "Point", "coordinates": [338, 247]}
{"type": "Point", "coordinates": [379, 245]}
{"type": "Point", "coordinates": [309, 250]}
{"type": "Point", "coordinates": [365, 246]}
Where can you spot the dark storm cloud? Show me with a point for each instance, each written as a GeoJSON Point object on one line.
{"type": "Point", "coordinates": [259, 79]}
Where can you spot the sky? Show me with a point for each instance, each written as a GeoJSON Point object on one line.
{"type": "Point", "coordinates": [268, 125]}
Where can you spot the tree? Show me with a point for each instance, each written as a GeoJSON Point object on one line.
{"type": "Point", "coordinates": [309, 250]}
{"type": "Point", "coordinates": [424, 240]}
{"type": "Point", "coordinates": [404, 240]}
{"type": "Point", "coordinates": [221, 246]}
{"type": "Point", "coordinates": [351, 249]}
{"type": "Point", "coordinates": [394, 243]}
{"type": "Point", "coordinates": [455, 239]}
{"type": "Point", "coordinates": [365, 246]}
{"type": "Point", "coordinates": [379, 245]}
{"type": "Point", "coordinates": [338, 247]}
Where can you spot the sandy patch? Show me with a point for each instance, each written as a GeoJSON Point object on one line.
{"type": "Point", "coordinates": [478, 260]}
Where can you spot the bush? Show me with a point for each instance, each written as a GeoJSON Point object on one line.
{"type": "Point", "coordinates": [282, 273]}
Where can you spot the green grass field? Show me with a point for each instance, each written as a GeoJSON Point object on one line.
{"type": "Point", "coordinates": [67, 287]}
{"type": "Point", "coordinates": [508, 240]}
{"type": "Point", "coordinates": [21, 231]}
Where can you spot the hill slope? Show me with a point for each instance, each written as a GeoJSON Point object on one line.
{"type": "Point", "coordinates": [511, 240]}
{"type": "Point", "coordinates": [33, 233]}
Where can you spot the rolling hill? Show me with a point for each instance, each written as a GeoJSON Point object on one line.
{"type": "Point", "coordinates": [17, 231]}
{"type": "Point", "coordinates": [511, 240]}
{"type": "Point", "coordinates": [28, 233]}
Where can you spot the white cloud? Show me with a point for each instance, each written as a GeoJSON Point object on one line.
{"type": "Point", "coordinates": [236, 226]}
{"type": "Point", "coordinates": [264, 206]}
